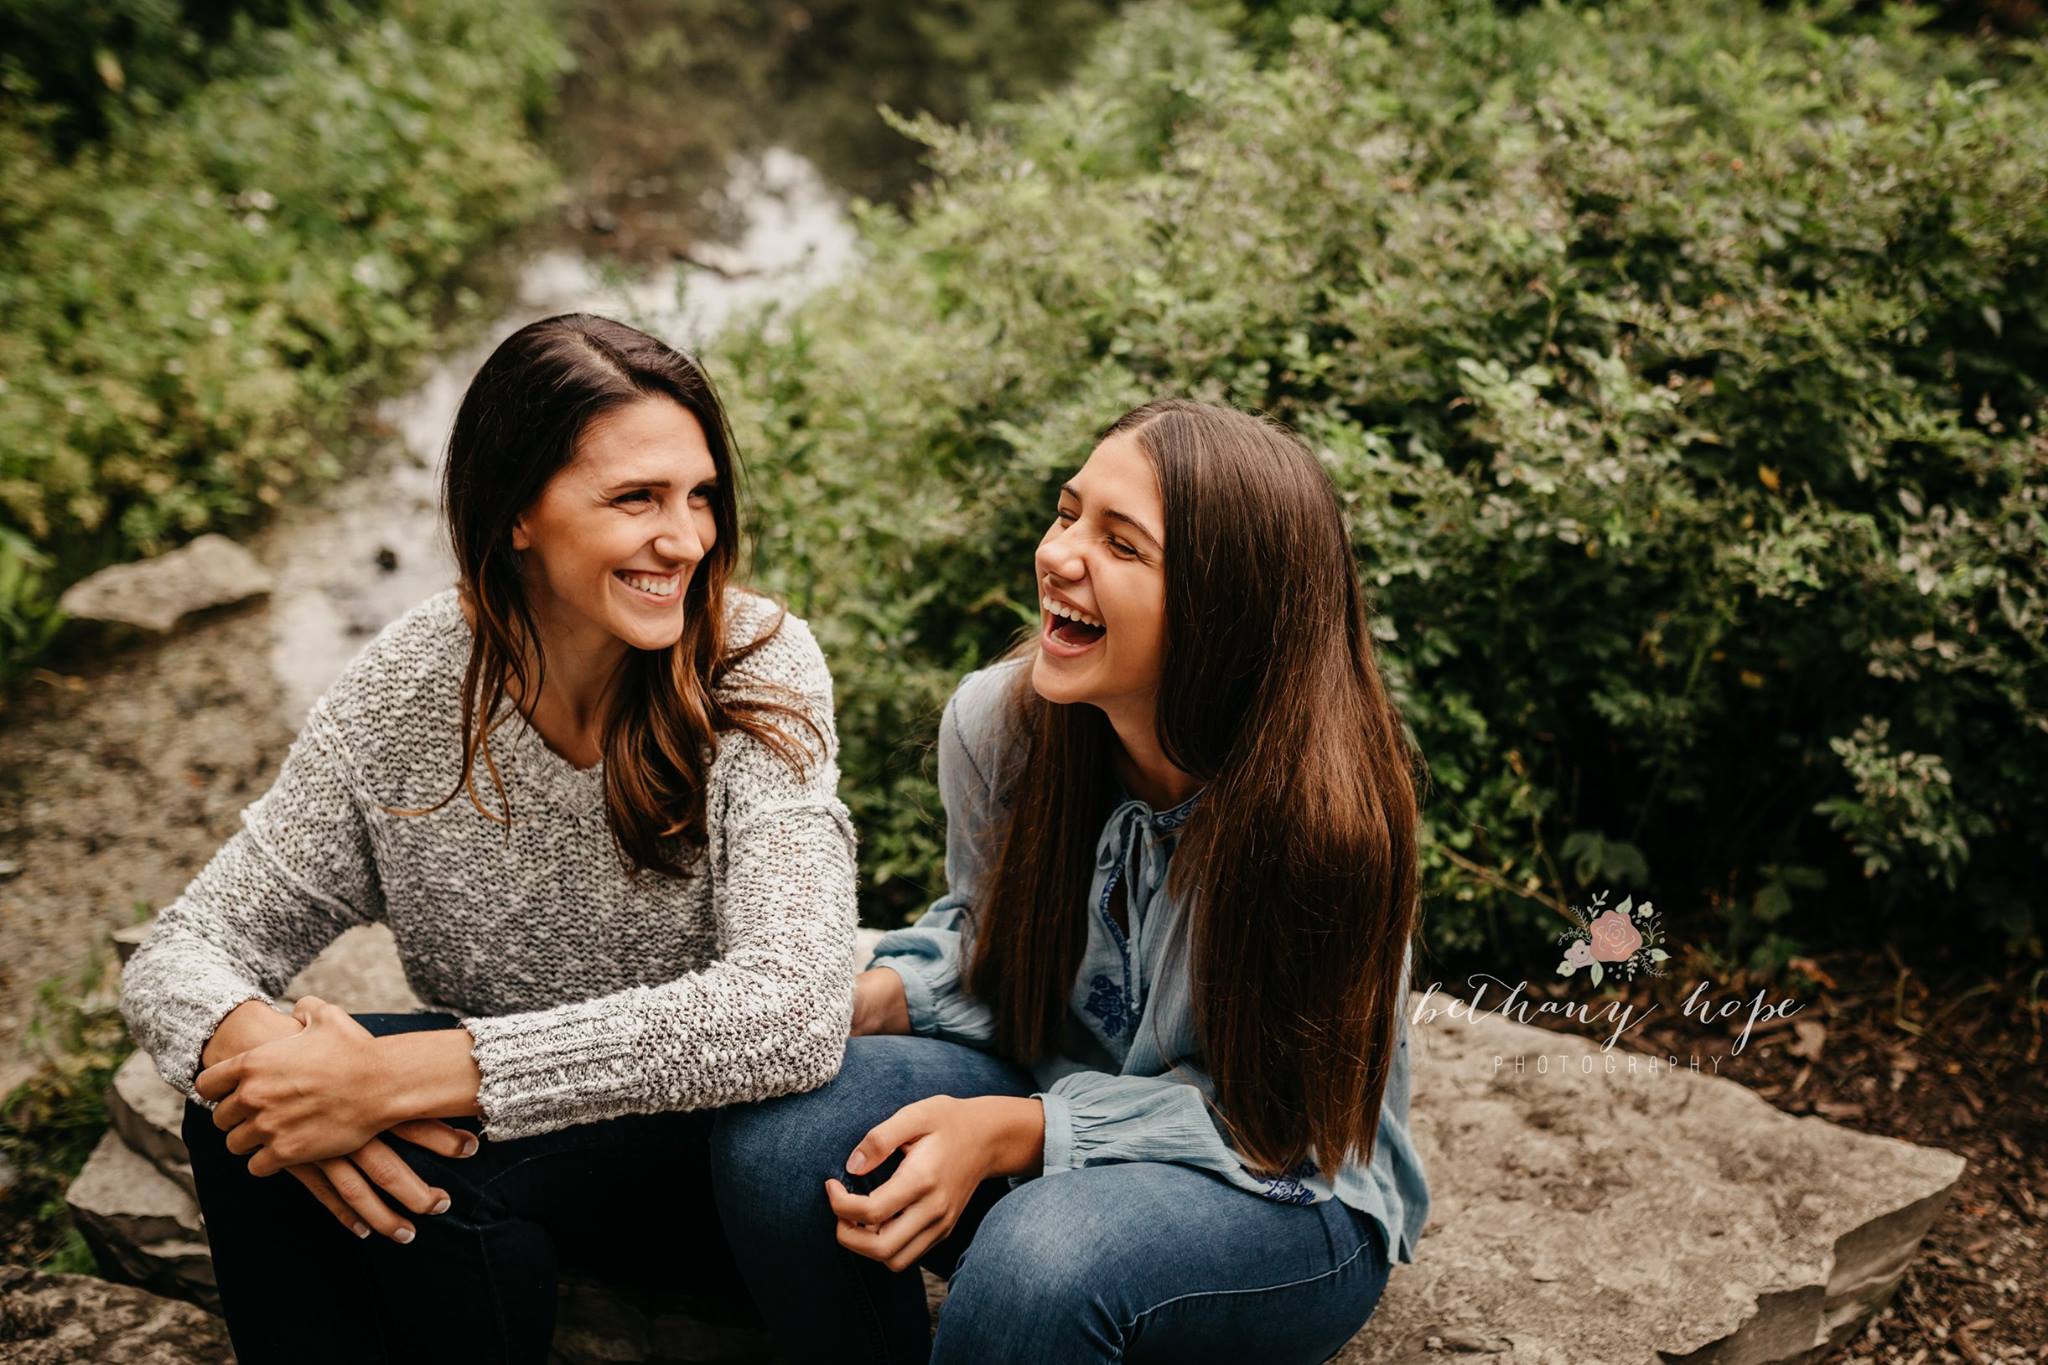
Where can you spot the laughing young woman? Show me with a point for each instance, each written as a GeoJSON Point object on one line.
{"type": "Point", "coordinates": [1167, 976]}
{"type": "Point", "coordinates": [592, 792]}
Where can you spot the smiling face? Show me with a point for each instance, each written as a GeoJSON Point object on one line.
{"type": "Point", "coordinates": [609, 547]}
{"type": "Point", "coordinates": [1102, 586]}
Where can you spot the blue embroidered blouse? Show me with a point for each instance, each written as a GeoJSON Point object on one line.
{"type": "Point", "coordinates": [1112, 1092]}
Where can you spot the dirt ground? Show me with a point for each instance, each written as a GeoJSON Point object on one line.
{"type": "Point", "coordinates": [118, 779]}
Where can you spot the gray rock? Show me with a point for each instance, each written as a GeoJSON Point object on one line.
{"type": "Point", "coordinates": [127, 940]}
{"type": "Point", "coordinates": [360, 972]}
{"type": "Point", "coordinates": [1580, 1217]}
{"type": "Point", "coordinates": [72, 1319]}
{"type": "Point", "coordinates": [597, 1322]}
{"type": "Point", "coordinates": [142, 1226]}
{"type": "Point", "coordinates": [154, 594]}
{"type": "Point", "coordinates": [149, 1115]}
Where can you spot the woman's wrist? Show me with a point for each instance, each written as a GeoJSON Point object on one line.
{"type": "Point", "coordinates": [429, 1075]}
{"type": "Point", "coordinates": [248, 1025]}
{"type": "Point", "coordinates": [1016, 1143]}
{"type": "Point", "coordinates": [879, 1003]}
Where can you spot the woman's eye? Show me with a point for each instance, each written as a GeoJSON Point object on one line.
{"type": "Point", "coordinates": [1064, 517]}
{"type": "Point", "coordinates": [1122, 550]}
{"type": "Point", "coordinates": [703, 492]}
{"type": "Point", "coordinates": [638, 495]}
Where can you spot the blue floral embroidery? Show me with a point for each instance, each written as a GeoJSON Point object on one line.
{"type": "Point", "coordinates": [1106, 1002]}
{"type": "Point", "coordinates": [1285, 1189]}
{"type": "Point", "coordinates": [1178, 816]}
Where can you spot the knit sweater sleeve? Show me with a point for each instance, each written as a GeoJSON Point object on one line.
{"type": "Point", "coordinates": [770, 1016]}
{"type": "Point", "coordinates": [299, 871]}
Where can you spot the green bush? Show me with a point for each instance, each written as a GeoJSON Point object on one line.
{"type": "Point", "coordinates": [192, 307]}
{"type": "Point", "coordinates": [1680, 369]}
{"type": "Point", "coordinates": [78, 62]}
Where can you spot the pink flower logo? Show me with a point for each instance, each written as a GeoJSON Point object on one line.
{"type": "Point", "coordinates": [1579, 953]}
{"type": "Point", "coordinates": [1615, 939]}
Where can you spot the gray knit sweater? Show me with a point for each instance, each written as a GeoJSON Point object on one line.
{"type": "Point", "coordinates": [590, 993]}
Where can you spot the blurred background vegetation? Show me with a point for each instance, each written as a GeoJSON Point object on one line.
{"type": "Point", "coordinates": [1681, 366]}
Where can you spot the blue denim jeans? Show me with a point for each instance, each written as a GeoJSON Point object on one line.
{"type": "Point", "coordinates": [628, 1197]}
{"type": "Point", "coordinates": [1130, 1261]}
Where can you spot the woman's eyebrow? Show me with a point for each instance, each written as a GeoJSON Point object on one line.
{"type": "Point", "coordinates": [1124, 517]}
{"type": "Point", "coordinates": [629, 485]}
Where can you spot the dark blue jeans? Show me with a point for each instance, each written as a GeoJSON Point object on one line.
{"type": "Point", "coordinates": [1130, 1261]}
{"type": "Point", "coordinates": [629, 1197]}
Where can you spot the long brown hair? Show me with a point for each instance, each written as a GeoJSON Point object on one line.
{"type": "Point", "coordinates": [518, 425]}
{"type": "Point", "coordinates": [1298, 866]}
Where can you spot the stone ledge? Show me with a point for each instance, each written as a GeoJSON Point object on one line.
{"type": "Point", "coordinates": [64, 1319]}
{"type": "Point", "coordinates": [1587, 1218]}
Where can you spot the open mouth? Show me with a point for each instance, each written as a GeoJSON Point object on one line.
{"type": "Point", "coordinates": [651, 587]}
{"type": "Point", "coordinates": [1069, 630]}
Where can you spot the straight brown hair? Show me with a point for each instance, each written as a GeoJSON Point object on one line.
{"type": "Point", "coordinates": [519, 424]}
{"type": "Point", "coordinates": [1298, 865]}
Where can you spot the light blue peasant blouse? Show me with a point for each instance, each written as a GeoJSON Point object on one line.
{"type": "Point", "coordinates": [1112, 1092]}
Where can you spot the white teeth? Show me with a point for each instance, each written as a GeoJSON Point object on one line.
{"type": "Point", "coordinates": [660, 587]}
{"type": "Point", "coordinates": [1062, 609]}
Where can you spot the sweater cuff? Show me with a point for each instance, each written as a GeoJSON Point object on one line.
{"type": "Point", "coordinates": [1059, 1132]}
{"type": "Point", "coordinates": [182, 1052]}
{"type": "Point", "coordinates": [538, 1072]}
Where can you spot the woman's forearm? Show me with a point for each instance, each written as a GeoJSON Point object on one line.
{"type": "Point", "coordinates": [431, 1075]}
{"type": "Point", "coordinates": [1016, 1134]}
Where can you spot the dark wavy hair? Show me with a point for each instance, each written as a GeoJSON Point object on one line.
{"type": "Point", "coordinates": [1299, 864]}
{"type": "Point", "coordinates": [518, 425]}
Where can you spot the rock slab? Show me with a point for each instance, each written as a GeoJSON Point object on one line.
{"type": "Point", "coordinates": [149, 1117]}
{"type": "Point", "coordinates": [1597, 1211]}
{"type": "Point", "coordinates": [143, 1227]}
{"type": "Point", "coordinates": [155, 594]}
{"type": "Point", "coordinates": [75, 1319]}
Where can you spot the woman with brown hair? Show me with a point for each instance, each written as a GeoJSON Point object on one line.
{"type": "Point", "coordinates": [592, 791]}
{"type": "Point", "coordinates": [1166, 979]}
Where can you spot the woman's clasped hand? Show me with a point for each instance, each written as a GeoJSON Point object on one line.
{"type": "Point", "coordinates": [306, 1103]}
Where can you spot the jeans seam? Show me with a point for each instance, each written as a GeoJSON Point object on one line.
{"type": "Point", "coordinates": [1124, 1329]}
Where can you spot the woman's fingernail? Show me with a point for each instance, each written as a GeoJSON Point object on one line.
{"type": "Point", "coordinates": [362, 1229]}
{"type": "Point", "coordinates": [469, 1147]}
{"type": "Point", "coordinates": [402, 1236]}
{"type": "Point", "coordinates": [856, 1163]}
{"type": "Point", "coordinates": [441, 1207]}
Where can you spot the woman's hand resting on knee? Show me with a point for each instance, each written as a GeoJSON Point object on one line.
{"type": "Point", "coordinates": [949, 1147]}
{"type": "Point", "coordinates": [346, 1182]}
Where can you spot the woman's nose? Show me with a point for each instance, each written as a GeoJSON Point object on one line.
{"type": "Point", "coordinates": [1060, 556]}
{"type": "Point", "coordinates": [679, 540]}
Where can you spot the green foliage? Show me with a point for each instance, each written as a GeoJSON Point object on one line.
{"type": "Point", "coordinates": [79, 63]}
{"type": "Point", "coordinates": [49, 1123]}
{"type": "Point", "coordinates": [1680, 369]}
{"type": "Point", "coordinates": [189, 309]}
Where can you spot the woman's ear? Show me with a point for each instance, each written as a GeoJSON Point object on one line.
{"type": "Point", "coordinates": [520, 539]}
